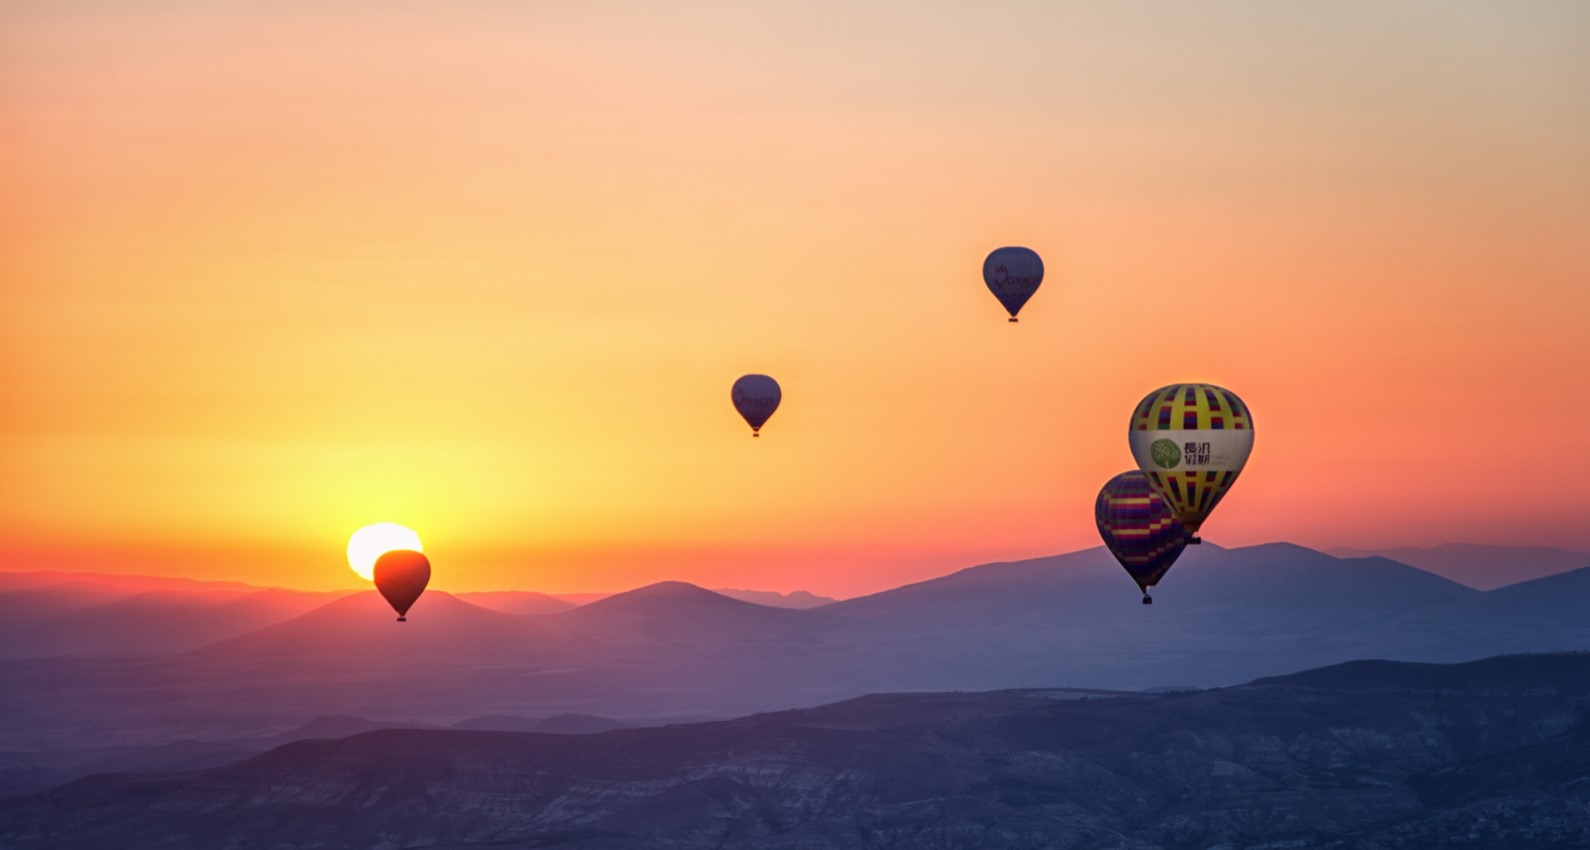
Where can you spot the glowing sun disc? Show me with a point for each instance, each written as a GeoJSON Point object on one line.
{"type": "Point", "coordinates": [371, 542]}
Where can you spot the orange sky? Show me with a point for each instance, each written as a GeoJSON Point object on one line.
{"type": "Point", "coordinates": [276, 271]}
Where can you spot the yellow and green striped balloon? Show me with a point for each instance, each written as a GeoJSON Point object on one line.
{"type": "Point", "coordinates": [1192, 441]}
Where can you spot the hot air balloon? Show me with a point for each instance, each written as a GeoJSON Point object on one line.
{"type": "Point", "coordinates": [1013, 275]}
{"type": "Point", "coordinates": [756, 397]}
{"type": "Point", "coordinates": [401, 576]}
{"type": "Point", "coordinates": [1139, 529]}
{"type": "Point", "coordinates": [1191, 440]}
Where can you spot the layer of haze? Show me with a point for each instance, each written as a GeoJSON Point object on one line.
{"type": "Point", "coordinates": [275, 271]}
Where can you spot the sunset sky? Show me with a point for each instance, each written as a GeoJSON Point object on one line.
{"type": "Point", "coordinates": [273, 271]}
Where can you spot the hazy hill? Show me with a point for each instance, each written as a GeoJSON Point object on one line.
{"type": "Point", "coordinates": [55, 614]}
{"type": "Point", "coordinates": [116, 583]}
{"type": "Point", "coordinates": [673, 649]}
{"type": "Point", "coordinates": [34, 599]}
{"type": "Point", "coordinates": [444, 630]}
{"type": "Point", "coordinates": [1541, 600]}
{"type": "Point", "coordinates": [59, 614]}
{"type": "Point", "coordinates": [32, 608]}
{"type": "Point", "coordinates": [672, 611]}
{"type": "Point", "coordinates": [578, 599]}
{"type": "Point", "coordinates": [1533, 616]}
{"type": "Point", "coordinates": [1272, 581]}
{"type": "Point", "coordinates": [1480, 566]}
{"type": "Point", "coordinates": [798, 599]}
{"type": "Point", "coordinates": [22, 773]}
{"type": "Point", "coordinates": [1220, 616]}
{"type": "Point", "coordinates": [530, 602]}
{"type": "Point", "coordinates": [1493, 757]}
{"type": "Point", "coordinates": [1565, 674]}
{"type": "Point", "coordinates": [557, 724]}
{"type": "Point", "coordinates": [360, 631]}
{"type": "Point", "coordinates": [517, 601]}
{"type": "Point", "coordinates": [161, 622]}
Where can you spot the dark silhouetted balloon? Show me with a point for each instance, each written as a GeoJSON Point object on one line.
{"type": "Point", "coordinates": [401, 576]}
{"type": "Point", "coordinates": [1139, 528]}
{"type": "Point", "coordinates": [1013, 275]}
{"type": "Point", "coordinates": [756, 397]}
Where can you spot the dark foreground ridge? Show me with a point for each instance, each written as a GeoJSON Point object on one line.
{"type": "Point", "coordinates": [1489, 754]}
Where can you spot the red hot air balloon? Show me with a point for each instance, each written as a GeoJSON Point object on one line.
{"type": "Point", "coordinates": [401, 576]}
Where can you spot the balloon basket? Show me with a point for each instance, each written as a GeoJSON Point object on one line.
{"type": "Point", "coordinates": [1012, 318]}
{"type": "Point", "coordinates": [1148, 600]}
{"type": "Point", "coordinates": [1194, 540]}
{"type": "Point", "coordinates": [403, 619]}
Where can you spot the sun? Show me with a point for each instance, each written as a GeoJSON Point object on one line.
{"type": "Point", "coordinates": [371, 542]}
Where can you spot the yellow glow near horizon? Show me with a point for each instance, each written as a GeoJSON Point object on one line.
{"type": "Point", "coordinates": [371, 542]}
{"type": "Point", "coordinates": [274, 271]}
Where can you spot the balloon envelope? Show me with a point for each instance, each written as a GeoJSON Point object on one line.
{"type": "Point", "coordinates": [1139, 528]}
{"type": "Point", "coordinates": [401, 576]}
{"type": "Point", "coordinates": [756, 397]}
{"type": "Point", "coordinates": [1013, 275]}
{"type": "Point", "coordinates": [1192, 441]}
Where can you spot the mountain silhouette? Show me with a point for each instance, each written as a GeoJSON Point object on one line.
{"type": "Point", "coordinates": [117, 584]}
{"type": "Point", "coordinates": [673, 649]}
{"type": "Point", "coordinates": [557, 724]}
{"type": "Point", "coordinates": [1359, 755]}
{"type": "Point", "coordinates": [134, 616]}
{"type": "Point", "coordinates": [797, 599]}
{"type": "Point", "coordinates": [1088, 584]}
{"type": "Point", "coordinates": [360, 631]}
{"type": "Point", "coordinates": [527, 602]}
{"type": "Point", "coordinates": [1485, 567]}
{"type": "Point", "coordinates": [1221, 616]}
{"type": "Point", "coordinates": [672, 611]}
{"type": "Point", "coordinates": [1541, 600]}
{"type": "Point", "coordinates": [1531, 616]}
{"type": "Point", "coordinates": [1562, 674]}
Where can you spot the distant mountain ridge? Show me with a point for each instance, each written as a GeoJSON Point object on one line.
{"type": "Point", "coordinates": [55, 614]}
{"type": "Point", "coordinates": [798, 599]}
{"type": "Point", "coordinates": [52, 614]}
{"type": "Point", "coordinates": [557, 724]}
{"type": "Point", "coordinates": [124, 584]}
{"type": "Point", "coordinates": [998, 625]}
{"type": "Point", "coordinates": [517, 601]}
{"type": "Point", "coordinates": [360, 630]}
{"type": "Point", "coordinates": [672, 600]}
{"type": "Point", "coordinates": [1485, 754]}
{"type": "Point", "coordinates": [673, 649]}
{"type": "Point", "coordinates": [1480, 566]}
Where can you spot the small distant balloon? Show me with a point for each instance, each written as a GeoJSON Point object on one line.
{"type": "Point", "coordinates": [401, 576]}
{"type": "Point", "coordinates": [756, 397]}
{"type": "Point", "coordinates": [1013, 275]}
{"type": "Point", "coordinates": [1140, 530]}
{"type": "Point", "coordinates": [1192, 441]}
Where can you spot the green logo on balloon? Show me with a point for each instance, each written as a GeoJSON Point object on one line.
{"type": "Point", "coordinates": [1165, 453]}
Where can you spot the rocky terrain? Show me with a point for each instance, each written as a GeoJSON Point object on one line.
{"type": "Point", "coordinates": [1487, 754]}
